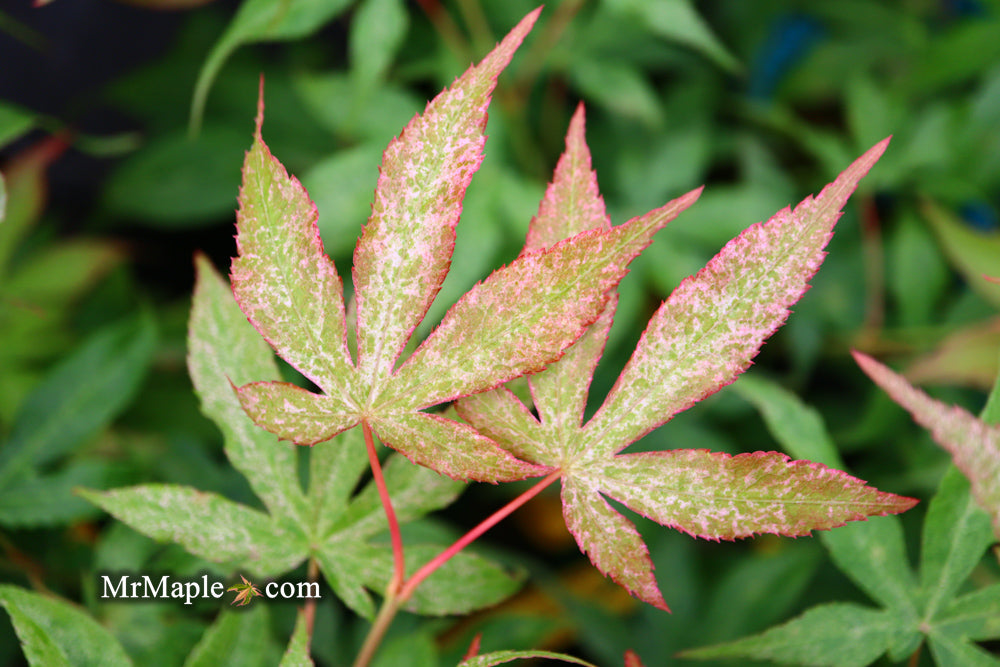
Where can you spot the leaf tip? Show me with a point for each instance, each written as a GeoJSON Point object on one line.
{"type": "Point", "coordinates": [860, 168]}
{"type": "Point", "coordinates": [578, 123]}
{"type": "Point", "coordinates": [259, 121]}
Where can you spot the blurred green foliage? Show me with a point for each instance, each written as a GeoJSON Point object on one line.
{"type": "Point", "coordinates": [762, 101]}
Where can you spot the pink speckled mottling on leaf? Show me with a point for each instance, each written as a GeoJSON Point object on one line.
{"type": "Point", "coordinates": [522, 316]}
{"type": "Point", "coordinates": [518, 320]}
{"type": "Point", "coordinates": [714, 323]}
{"type": "Point", "coordinates": [405, 250]}
{"type": "Point", "coordinates": [293, 413]}
{"type": "Point", "coordinates": [714, 495]}
{"type": "Point", "coordinates": [283, 281]}
{"type": "Point", "coordinates": [700, 339]}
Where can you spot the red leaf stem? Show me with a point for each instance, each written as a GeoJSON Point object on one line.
{"type": "Point", "coordinates": [428, 569]}
{"type": "Point", "coordinates": [383, 492]}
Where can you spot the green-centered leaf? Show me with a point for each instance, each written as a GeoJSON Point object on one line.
{"type": "Point", "coordinates": [235, 638]}
{"type": "Point", "coordinates": [79, 396]}
{"type": "Point", "coordinates": [207, 525]}
{"type": "Point", "coordinates": [259, 21]}
{"type": "Point", "coordinates": [956, 533]}
{"type": "Point", "coordinates": [285, 285]}
{"type": "Point", "coordinates": [973, 444]}
{"type": "Point", "coordinates": [332, 523]}
{"type": "Point", "coordinates": [223, 349]}
{"type": "Point", "coordinates": [448, 446]}
{"type": "Point", "coordinates": [297, 653]}
{"type": "Point", "coordinates": [700, 339]}
{"type": "Point", "coordinates": [950, 650]}
{"type": "Point", "coordinates": [55, 633]}
{"type": "Point", "coordinates": [838, 635]}
{"type": "Point", "coordinates": [403, 255]}
{"type": "Point", "coordinates": [470, 351]}
{"type": "Point", "coordinates": [501, 657]}
{"type": "Point", "coordinates": [518, 320]}
{"type": "Point", "coordinates": [872, 553]}
{"type": "Point", "coordinates": [712, 325]}
{"type": "Point", "coordinates": [715, 495]}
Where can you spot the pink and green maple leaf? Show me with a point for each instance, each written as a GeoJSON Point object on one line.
{"type": "Point", "coordinates": [518, 320]}
{"type": "Point", "coordinates": [700, 339]}
{"type": "Point", "coordinates": [973, 443]}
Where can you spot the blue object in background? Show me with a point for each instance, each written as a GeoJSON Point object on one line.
{"type": "Point", "coordinates": [979, 215]}
{"type": "Point", "coordinates": [790, 38]}
{"type": "Point", "coordinates": [963, 8]}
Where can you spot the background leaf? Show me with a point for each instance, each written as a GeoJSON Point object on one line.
{"type": "Point", "coordinates": [297, 653]}
{"type": "Point", "coordinates": [53, 632]}
{"type": "Point", "coordinates": [240, 638]}
{"type": "Point", "coordinates": [207, 525]}
{"type": "Point", "coordinates": [501, 657]}
{"type": "Point", "coordinates": [223, 348]}
{"type": "Point", "coordinates": [79, 397]}
{"type": "Point", "coordinates": [256, 21]}
{"type": "Point", "coordinates": [815, 638]}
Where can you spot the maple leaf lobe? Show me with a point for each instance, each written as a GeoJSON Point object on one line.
{"type": "Point", "coordinates": [405, 249]}
{"type": "Point", "coordinates": [282, 279]}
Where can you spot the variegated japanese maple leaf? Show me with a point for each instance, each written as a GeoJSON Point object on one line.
{"type": "Point", "coordinates": [700, 339]}
{"type": "Point", "coordinates": [518, 320]}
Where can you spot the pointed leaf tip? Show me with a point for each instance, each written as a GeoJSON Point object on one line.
{"type": "Point", "coordinates": [407, 244]}
{"type": "Point", "coordinates": [282, 279]}
{"type": "Point", "coordinates": [714, 323]}
{"type": "Point", "coordinates": [259, 121]}
{"type": "Point", "coordinates": [974, 445]}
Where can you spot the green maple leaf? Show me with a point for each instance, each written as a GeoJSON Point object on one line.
{"type": "Point", "coordinates": [700, 339]}
{"type": "Point", "coordinates": [916, 608]}
{"type": "Point", "coordinates": [56, 633]}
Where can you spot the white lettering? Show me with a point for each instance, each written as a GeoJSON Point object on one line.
{"type": "Point", "coordinates": [115, 593]}
{"type": "Point", "coordinates": [310, 588]}
{"type": "Point", "coordinates": [177, 589]}
{"type": "Point", "coordinates": [155, 591]}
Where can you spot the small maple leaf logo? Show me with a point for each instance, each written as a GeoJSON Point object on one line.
{"type": "Point", "coordinates": [245, 592]}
